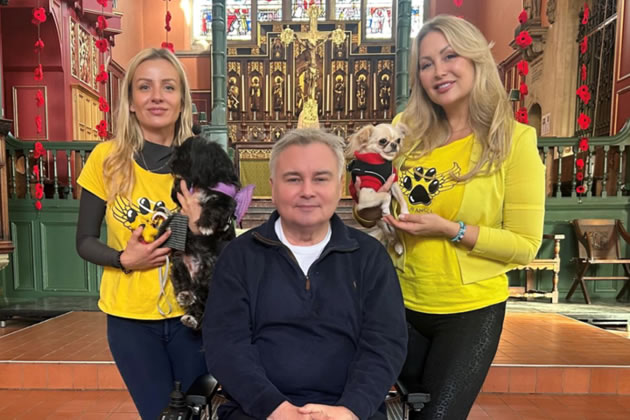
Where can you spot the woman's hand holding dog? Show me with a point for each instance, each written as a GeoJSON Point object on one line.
{"type": "Point", "coordinates": [190, 206]}
{"type": "Point", "coordinates": [432, 225]}
{"type": "Point", "coordinates": [373, 213]}
{"type": "Point", "coordinates": [139, 255]}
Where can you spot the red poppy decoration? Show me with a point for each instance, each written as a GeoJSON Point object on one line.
{"type": "Point", "coordinates": [579, 163]}
{"type": "Point", "coordinates": [521, 115]}
{"type": "Point", "coordinates": [39, 191]}
{"type": "Point", "coordinates": [39, 98]}
{"type": "Point", "coordinates": [581, 189]}
{"type": "Point", "coordinates": [103, 105]}
{"type": "Point", "coordinates": [36, 172]}
{"type": "Point", "coordinates": [168, 21]}
{"type": "Point", "coordinates": [39, 150]}
{"type": "Point", "coordinates": [102, 75]}
{"type": "Point", "coordinates": [102, 129]}
{"type": "Point", "coordinates": [38, 205]}
{"type": "Point", "coordinates": [586, 15]}
{"type": "Point", "coordinates": [579, 176]}
{"type": "Point", "coordinates": [523, 39]}
{"type": "Point", "coordinates": [39, 16]}
{"type": "Point", "coordinates": [522, 17]}
{"type": "Point", "coordinates": [39, 46]}
{"type": "Point", "coordinates": [38, 73]}
{"type": "Point", "coordinates": [102, 2]}
{"type": "Point", "coordinates": [524, 89]}
{"type": "Point", "coordinates": [38, 124]}
{"type": "Point", "coordinates": [458, 3]}
{"type": "Point", "coordinates": [101, 23]}
{"type": "Point", "coordinates": [584, 93]}
{"type": "Point", "coordinates": [584, 45]}
{"type": "Point", "coordinates": [583, 145]}
{"type": "Point", "coordinates": [583, 73]}
{"type": "Point", "coordinates": [102, 45]}
{"type": "Point", "coordinates": [584, 121]}
{"type": "Point", "coordinates": [522, 67]}
{"type": "Point", "coordinates": [168, 46]}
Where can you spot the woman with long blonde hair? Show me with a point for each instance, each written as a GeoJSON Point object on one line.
{"type": "Point", "coordinates": [474, 185]}
{"type": "Point", "coordinates": [127, 182]}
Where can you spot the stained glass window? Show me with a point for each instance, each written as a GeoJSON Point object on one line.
{"type": "Point", "coordinates": [348, 9]}
{"type": "Point", "coordinates": [269, 10]}
{"type": "Point", "coordinates": [202, 19]}
{"type": "Point", "coordinates": [417, 16]}
{"type": "Point", "coordinates": [378, 16]}
{"type": "Point", "coordinates": [299, 7]}
{"type": "Point", "coordinates": [239, 19]}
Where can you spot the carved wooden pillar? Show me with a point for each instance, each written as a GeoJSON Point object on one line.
{"type": "Point", "coordinates": [402, 54]}
{"type": "Point", "coordinates": [6, 246]}
{"type": "Point", "coordinates": [218, 129]}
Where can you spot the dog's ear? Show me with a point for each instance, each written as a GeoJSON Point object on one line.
{"type": "Point", "coordinates": [402, 129]}
{"type": "Point", "coordinates": [358, 139]}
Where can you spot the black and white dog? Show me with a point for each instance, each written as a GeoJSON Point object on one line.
{"type": "Point", "coordinates": [208, 171]}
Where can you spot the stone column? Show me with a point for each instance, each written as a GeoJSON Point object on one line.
{"type": "Point", "coordinates": [217, 131]}
{"type": "Point", "coordinates": [402, 54]}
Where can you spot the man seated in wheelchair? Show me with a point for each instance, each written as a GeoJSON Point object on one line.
{"type": "Point", "coordinates": [305, 317]}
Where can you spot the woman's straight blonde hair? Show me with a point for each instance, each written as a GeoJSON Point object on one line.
{"type": "Point", "coordinates": [490, 113]}
{"type": "Point", "coordinates": [128, 139]}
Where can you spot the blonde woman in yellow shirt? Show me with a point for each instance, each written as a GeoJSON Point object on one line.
{"type": "Point", "coordinates": [475, 188]}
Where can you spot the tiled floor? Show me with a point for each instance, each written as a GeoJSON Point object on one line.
{"type": "Point", "coordinates": [116, 405]}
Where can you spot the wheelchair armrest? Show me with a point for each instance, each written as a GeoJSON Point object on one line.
{"type": "Point", "coordinates": [202, 390]}
{"type": "Point", "coordinates": [415, 399]}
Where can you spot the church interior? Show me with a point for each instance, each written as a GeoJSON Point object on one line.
{"type": "Point", "coordinates": [258, 69]}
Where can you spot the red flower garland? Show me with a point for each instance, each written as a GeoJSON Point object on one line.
{"type": "Point", "coordinates": [584, 121]}
{"type": "Point", "coordinates": [584, 93]}
{"type": "Point", "coordinates": [103, 46]}
{"type": "Point", "coordinates": [167, 28]}
{"type": "Point", "coordinates": [458, 3]}
{"type": "Point", "coordinates": [522, 17]}
{"type": "Point", "coordinates": [523, 39]}
{"type": "Point", "coordinates": [39, 17]}
{"type": "Point", "coordinates": [524, 89]}
{"type": "Point", "coordinates": [521, 115]}
{"type": "Point", "coordinates": [587, 14]}
{"type": "Point", "coordinates": [522, 67]}
{"type": "Point", "coordinates": [583, 145]}
{"type": "Point", "coordinates": [584, 45]}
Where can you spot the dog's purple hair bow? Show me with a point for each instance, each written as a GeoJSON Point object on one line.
{"type": "Point", "coordinates": [243, 197]}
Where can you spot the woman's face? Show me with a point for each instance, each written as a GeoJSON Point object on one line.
{"type": "Point", "coordinates": [446, 77]}
{"type": "Point", "coordinates": [156, 97]}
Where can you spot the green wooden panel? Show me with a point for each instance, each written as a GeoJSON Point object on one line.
{"type": "Point", "coordinates": [62, 268]}
{"type": "Point", "coordinates": [23, 261]}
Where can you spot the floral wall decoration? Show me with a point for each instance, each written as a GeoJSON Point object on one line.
{"type": "Point", "coordinates": [584, 121]}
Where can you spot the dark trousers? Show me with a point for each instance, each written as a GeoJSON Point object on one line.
{"type": "Point", "coordinates": [449, 357]}
{"type": "Point", "coordinates": [235, 413]}
{"type": "Point", "coordinates": [151, 355]}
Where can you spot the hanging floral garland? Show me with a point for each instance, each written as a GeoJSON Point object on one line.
{"type": "Point", "coordinates": [39, 17]}
{"type": "Point", "coordinates": [584, 121]}
{"type": "Point", "coordinates": [523, 40]}
{"type": "Point", "coordinates": [103, 46]}
{"type": "Point", "coordinates": [167, 28]}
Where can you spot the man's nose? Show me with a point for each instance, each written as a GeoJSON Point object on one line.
{"type": "Point", "coordinates": [307, 189]}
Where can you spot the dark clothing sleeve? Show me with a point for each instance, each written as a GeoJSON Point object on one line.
{"type": "Point", "coordinates": [89, 246]}
{"type": "Point", "coordinates": [383, 340]}
{"type": "Point", "coordinates": [235, 361]}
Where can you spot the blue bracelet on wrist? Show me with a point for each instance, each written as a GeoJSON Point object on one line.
{"type": "Point", "coordinates": [460, 232]}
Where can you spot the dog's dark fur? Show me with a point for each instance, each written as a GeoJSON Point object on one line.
{"type": "Point", "coordinates": [202, 164]}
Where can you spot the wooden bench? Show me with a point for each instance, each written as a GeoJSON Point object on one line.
{"type": "Point", "coordinates": [552, 264]}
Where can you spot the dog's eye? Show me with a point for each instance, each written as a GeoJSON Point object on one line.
{"type": "Point", "coordinates": [383, 142]}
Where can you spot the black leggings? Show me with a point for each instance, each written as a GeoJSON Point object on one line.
{"type": "Point", "coordinates": [449, 357]}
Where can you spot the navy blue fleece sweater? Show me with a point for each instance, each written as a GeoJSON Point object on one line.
{"type": "Point", "coordinates": [336, 336]}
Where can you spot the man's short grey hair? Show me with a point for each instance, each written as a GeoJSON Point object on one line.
{"type": "Point", "coordinates": [304, 137]}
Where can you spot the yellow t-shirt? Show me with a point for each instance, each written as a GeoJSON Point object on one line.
{"type": "Point", "coordinates": [138, 294]}
{"type": "Point", "coordinates": [431, 281]}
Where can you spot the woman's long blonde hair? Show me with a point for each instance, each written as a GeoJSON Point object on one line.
{"type": "Point", "coordinates": [128, 140]}
{"type": "Point", "coordinates": [490, 114]}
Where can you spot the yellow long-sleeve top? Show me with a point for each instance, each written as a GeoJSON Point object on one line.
{"type": "Point", "coordinates": [438, 276]}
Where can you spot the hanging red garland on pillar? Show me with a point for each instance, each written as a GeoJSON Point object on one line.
{"type": "Point", "coordinates": [523, 40]}
{"type": "Point", "coordinates": [39, 17]}
{"type": "Point", "coordinates": [167, 28]}
{"type": "Point", "coordinates": [103, 46]}
{"type": "Point", "coordinates": [584, 121]}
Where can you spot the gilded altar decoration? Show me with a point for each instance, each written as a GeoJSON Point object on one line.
{"type": "Point", "coordinates": [384, 91]}
{"type": "Point", "coordinates": [277, 93]}
{"type": "Point", "coordinates": [233, 102]}
{"type": "Point", "coordinates": [362, 92]}
{"type": "Point", "coordinates": [255, 93]}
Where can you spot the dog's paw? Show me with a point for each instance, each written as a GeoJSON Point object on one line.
{"type": "Point", "coordinates": [369, 198]}
{"type": "Point", "coordinates": [185, 299]}
{"type": "Point", "coordinates": [190, 321]}
{"type": "Point", "coordinates": [398, 248]}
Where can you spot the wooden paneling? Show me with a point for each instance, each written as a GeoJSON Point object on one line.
{"type": "Point", "coordinates": [86, 114]}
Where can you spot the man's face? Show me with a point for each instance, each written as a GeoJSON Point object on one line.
{"type": "Point", "coordinates": [306, 186]}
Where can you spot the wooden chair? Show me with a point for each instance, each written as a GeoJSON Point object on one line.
{"type": "Point", "coordinates": [552, 264]}
{"type": "Point", "coordinates": [598, 244]}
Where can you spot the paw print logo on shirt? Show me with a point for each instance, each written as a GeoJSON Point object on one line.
{"type": "Point", "coordinates": [421, 185]}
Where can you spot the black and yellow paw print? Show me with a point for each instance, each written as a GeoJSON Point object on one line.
{"type": "Point", "coordinates": [421, 185]}
{"type": "Point", "coordinates": [145, 213]}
